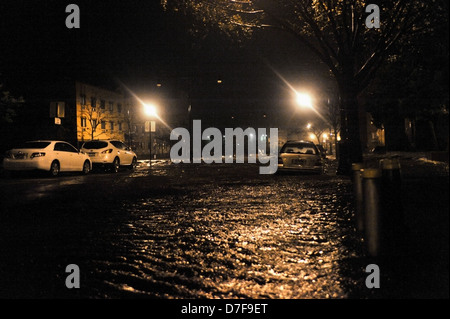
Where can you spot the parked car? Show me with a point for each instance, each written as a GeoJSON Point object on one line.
{"type": "Point", "coordinates": [110, 154]}
{"type": "Point", "coordinates": [322, 150]}
{"type": "Point", "coordinates": [51, 156]}
{"type": "Point", "coordinates": [300, 156]}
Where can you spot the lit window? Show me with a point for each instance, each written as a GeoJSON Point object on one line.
{"type": "Point", "coordinates": [83, 99]}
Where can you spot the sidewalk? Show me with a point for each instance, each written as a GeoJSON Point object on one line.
{"type": "Point", "coordinates": [423, 269]}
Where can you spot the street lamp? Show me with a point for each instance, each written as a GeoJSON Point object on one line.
{"type": "Point", "coordinates": [304, 100]}
{"type": "Point", "coordinates": [150, 110]}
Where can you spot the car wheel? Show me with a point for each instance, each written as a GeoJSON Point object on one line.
{"type": "Point", "coordinates": [133, 163]}
{"type": "Point", "coordinates": [86, 167]}
{"type": "Point", "coordinates": [115, 165]}
{"type": "Point", "coordinates": [54, 169]}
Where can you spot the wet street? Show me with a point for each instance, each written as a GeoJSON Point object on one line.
{"type": "Point", "coordinates": [181, 231]}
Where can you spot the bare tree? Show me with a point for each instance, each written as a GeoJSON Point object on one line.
{"type": "Point", "coordinates": [318, 128]}
{"type": "Point", "coordinates": [335, 31]}
{"type": "Point", "coordinates": [94, 116]}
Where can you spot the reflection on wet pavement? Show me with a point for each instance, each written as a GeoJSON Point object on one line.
{"type": "Point", "coordinates": [200, 231]}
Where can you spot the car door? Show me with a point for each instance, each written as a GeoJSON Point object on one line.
{"type": "Point", "coordinates": [63, 155]}
{"type": "Point", "coordinates": [76, 158]}
{"type": "Point", "coordinates": [124, 154]}
{"type": "Point", "coordinates": [128, 154]}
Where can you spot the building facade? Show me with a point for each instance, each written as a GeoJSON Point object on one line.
{"type": "Point", "coordinates": [100, 113]}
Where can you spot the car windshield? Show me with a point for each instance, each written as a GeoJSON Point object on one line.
{"type": "Point", "coordinates": [95, 145]}
{"type": "Point", "coordinates": [34, 145]}
{"type": "Point", "coordinates": [299, 148]}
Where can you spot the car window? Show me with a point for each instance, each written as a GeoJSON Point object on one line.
{"type": "Point", "coordinates": [95, 145]}
{"type": "Point", "coordinates": [299, 148]}
{"type": "Point", "coordinates": [70, 148]}
{"type": "Point", "coordinates": [119, 145]}
{"type": "Point", "coordinates": [59, 147]}
{"type": "Point", "coordinates": [64, 147]}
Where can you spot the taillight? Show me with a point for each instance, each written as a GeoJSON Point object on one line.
{"type": "Point", "coordinates": [40, 154]}
{"type": "Point", "coordinates": [107, 151]}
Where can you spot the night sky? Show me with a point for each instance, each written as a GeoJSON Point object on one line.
{"type": "Point", "coordinates": [138, 44]}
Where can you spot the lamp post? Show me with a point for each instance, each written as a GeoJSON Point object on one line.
{"type": "Point", "coordinates": [304, 100]}
{"type": "Point", "coordinates": [150, 126]}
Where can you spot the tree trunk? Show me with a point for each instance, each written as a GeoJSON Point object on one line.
{"type": "Point", "coordinates": [350, 150]}
{"type": "Point", "coordinates": [335, 132]}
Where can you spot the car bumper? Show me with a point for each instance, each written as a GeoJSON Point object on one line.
{"type": "Point", "coordinates": [101, 159]}
{"type": "Point", "coordinates": [305, 169]}
{"type": "Point", "coordinates": [26, 165]}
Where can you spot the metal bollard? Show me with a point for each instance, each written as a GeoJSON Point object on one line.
{"type": "Point", "coordinates": [372, 209]}
{"type": "Point", "coordinates": [358, 195]}
{"type": "Point", "coordinates": [394, 230]}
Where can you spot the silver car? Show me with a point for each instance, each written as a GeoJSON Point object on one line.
{"type": "Point", "coordinates": [302, 156]}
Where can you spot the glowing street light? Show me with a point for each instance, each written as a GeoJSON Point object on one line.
{"type": "Point", "coordinates": [304, 100]}
{"type": "Point", "coordinates": [150, 110]}
{"type": "Point", "coordinates": [309, 126]}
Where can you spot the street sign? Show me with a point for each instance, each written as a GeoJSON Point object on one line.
{"type": "Point", "coordinates": [153, 126]}
{"type": "Point", "coordinates": [150, 126]}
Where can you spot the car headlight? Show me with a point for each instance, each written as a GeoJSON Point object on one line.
{"type": "Point", "coordinates": [39, 154]}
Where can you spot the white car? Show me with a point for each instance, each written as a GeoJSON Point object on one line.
{"type": "Point", "coordinates": [110, 153]}
{"type": "Point", "coordinates": [51, 156]}
{"type": "Point", "coordinates": [301, 156]}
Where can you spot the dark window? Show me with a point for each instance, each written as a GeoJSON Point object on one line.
{"type": "Point", "coordinates": [111, 106]}
{"type": "Point", "coordinates": [70, 148]}
{"type": "Point", "coordinates": [95, 145]}
{"type": "Point", "coordinates": [299, 148]}
{"type": "Point", "coordinates": [64, 147]}
{"type": "Point", "coordinates": [103, 124]}
{"type": "Point", "coordinates": [93, 102]}
{"type": "Point", "coordinates": [83, 99]}
{"type": "Point", "coordinates": [120, 126]}
{"type": "Point", "coordinates": [118, 145]}
{"type": "Point", "coordinates": [83, 122]}
{"type": "Point", "coordinates": [102, 104]}
{"type": "Point", "coordinates": [112, 125]}
{"type": "Point", "coordinates": [119, 107]}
